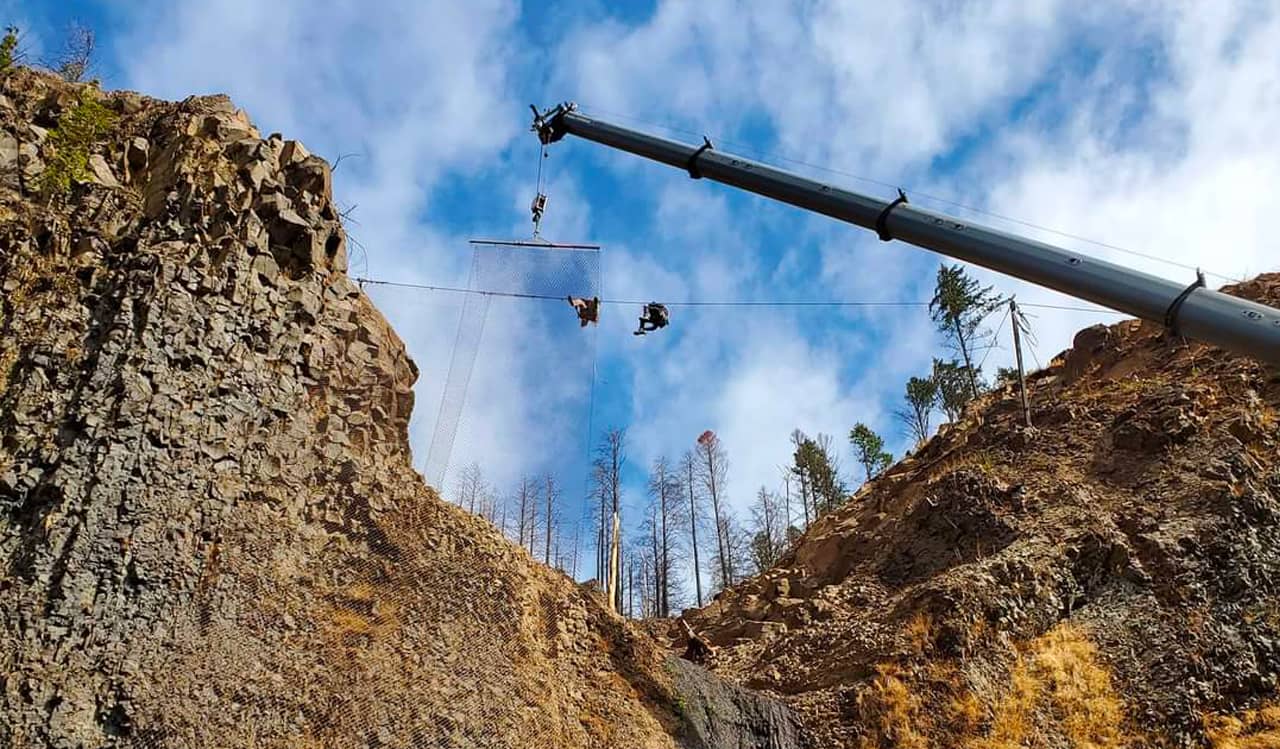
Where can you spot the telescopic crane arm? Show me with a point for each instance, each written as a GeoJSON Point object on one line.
{"type": "Point", "coordinates": [1194, 311]}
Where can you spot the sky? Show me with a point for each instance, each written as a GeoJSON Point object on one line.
{"type": "Point", "coordinates": [1140, 125]}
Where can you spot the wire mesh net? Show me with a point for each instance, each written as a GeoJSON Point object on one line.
{"type": "Point", "coordinates": [525, 410]}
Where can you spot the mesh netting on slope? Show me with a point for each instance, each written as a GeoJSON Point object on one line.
{"type": "Point", "coordinates": [528, 402]}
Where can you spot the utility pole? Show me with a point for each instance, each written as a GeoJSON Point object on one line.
{"type": "Point", "coordinates": [1017, 347]}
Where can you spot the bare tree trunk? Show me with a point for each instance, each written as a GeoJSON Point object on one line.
{"type": "Point", "coordinates": [551, 488]}
{"type": "Point", "coordinates": [804, 498]}
{"type": "Point", "coordinates": [615, 596]}
{"type": "Point", "coordinates": [657, 568]}
{"type": "Point", "coordinates": [573, 566]}
{"type": "Point", "coordinates": [524, 499]}
{"type": "Point", "coordinates": [968, 365]}
{"type": "Point", "coordinates": [693, 529]}
{"type": "Point", "coordinates": [712, 455]}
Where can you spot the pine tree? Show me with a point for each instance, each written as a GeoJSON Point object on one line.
{"type": "Point", "coordinates": [799, 461]}
{"type": "Point", "coordinates": [921, 398]}
{"type": "Point", "coordinates": [9, 54]}
{"type": "Point", "coordinates": [959, 306]}
{"type": "Point", "coordinates": [868, 447]}
{"type": "Point", "coordinates": [819, 471]}
{"type": "Point", "coordinates": [953, 381]}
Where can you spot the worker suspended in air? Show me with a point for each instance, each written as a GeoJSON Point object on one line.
{"type": "Point", "coordinates": [655, 316]}
{"type": "Point", "coordinates": [588, 309]}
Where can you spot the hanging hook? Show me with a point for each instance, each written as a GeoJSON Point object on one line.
{"type": "Point", "coordinates": [539, 205]}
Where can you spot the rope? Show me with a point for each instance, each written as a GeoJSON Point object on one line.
{"type": "Point", "coordinates": [718, 303]}
{"type": "Point", "coordinates": [542, 156]}
{"type": "Point", "coordinates": [996, 341]}
{"type": "Point", "coordinates": [765, 157]}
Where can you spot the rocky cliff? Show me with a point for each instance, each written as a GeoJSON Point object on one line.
{"type": "Point", "coordinates": [210, 530]}
{"type": "Point", "coordinates": [1108, 578]}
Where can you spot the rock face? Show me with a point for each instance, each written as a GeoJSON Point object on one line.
{"type": "Point", "coordinates": [210, 530]}
{"type": "Point", "coordinates": [1109, 578]}
{"type": "Point", "coordinates": [720, 716]}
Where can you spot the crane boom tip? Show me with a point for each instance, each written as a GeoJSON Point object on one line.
{"type": "Point", "coordinates": [549, 124]}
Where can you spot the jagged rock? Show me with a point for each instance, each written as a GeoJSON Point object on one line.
{"type": "Point", "coordinates": [1084, 347]}
{"type": "Point", "coordinates": [135, 157]}
{"type": "Point", "coordinates": [8, 161]}
{"type": "Point", "coordinates": [720, 716]}
{"type": "Point", "coordinates": [210, 526]}
{"type": "Point", "coordinates": [101, 171]}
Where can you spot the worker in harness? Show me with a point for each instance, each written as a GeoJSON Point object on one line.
{"type": "Point", "coordinates": [588, 309]}
{"type": "Point", "coordinates": [655, 316]}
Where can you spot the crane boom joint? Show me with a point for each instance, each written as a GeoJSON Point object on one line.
{"type": "Point", "coordinates": [549, 125]}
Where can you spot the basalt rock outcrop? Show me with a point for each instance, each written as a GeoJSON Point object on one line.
{"type": "Point", "coordinates": [211, 533]}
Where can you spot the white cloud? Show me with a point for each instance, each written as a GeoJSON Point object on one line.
{"type": "Point", "coordinates": [1148, 126]}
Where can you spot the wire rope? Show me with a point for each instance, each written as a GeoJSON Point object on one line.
{"type": "Point", "coordinates": [710, 303]}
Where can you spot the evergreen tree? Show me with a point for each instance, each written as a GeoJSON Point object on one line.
{"type": "Point", "coordinates": [959, 306]}
{"type": "Point", "coordinates": [818, 468]}
{"type": "Point", "coordinates": [868, 448]}
{"type": "Point", "coordinates": [953, 380]}
{"type": "Point", "coordinates": [921, 399]}
{"type": "Point", "coordinates": [9, 54]}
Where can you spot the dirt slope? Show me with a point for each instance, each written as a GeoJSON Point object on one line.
{"type": "Point", "coordinates": [211, 533]}
{"type": "Point", "coordinates": [1108, 578]}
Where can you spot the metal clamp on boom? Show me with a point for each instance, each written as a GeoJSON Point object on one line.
{"type": "Point", "coordinates": [692, 165]}
{"type": "Point", "coordinates": [881, 230]}
{"type": "Point", "coordinates": [1171, 314]}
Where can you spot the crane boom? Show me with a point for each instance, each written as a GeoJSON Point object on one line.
{"type": "Point", "coordinates": [1230, 322]}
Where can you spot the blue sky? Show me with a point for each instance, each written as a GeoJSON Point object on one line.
{"type": "Point", "coordinates": [1139, 124]}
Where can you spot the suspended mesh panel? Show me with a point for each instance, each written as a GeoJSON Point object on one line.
{"type": "Point", "coordinates": [517, 397]}
{"type": "Point", "coordinates": [475, 310]}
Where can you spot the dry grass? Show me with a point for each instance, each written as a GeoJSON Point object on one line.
{"type": "Point", "coordinates": [359, 615]}
{"type": "Point", "coordinates": [896, 708]}
{"type": "Point", "coordinates": [920, 631]}
{"type": "Point", "coordinates": [980, 459]}
{"type": "Point", "coordinates": [1084, 700]}
{"type": "Point", "coordinates": [1013, 717]}
{"type": "Point", "coordinates": [1056, 687]}
{"type": "Point", "coordinates": [1251, 729]}
{"type": "Point", "coordinates": [1059, 681]}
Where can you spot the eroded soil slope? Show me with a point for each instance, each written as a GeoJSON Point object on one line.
{"type": "Point", "coordinates": [1108, 578]}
